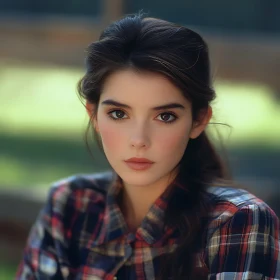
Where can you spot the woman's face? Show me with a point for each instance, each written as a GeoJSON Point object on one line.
{"type": "Point", "coordinates": [143, 115]}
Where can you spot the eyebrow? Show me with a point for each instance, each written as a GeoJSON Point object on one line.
{"type": "Point", "coordinates": [161, 107]}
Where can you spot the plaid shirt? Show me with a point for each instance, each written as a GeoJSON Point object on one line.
{"type": "Point", "coordinates": [81, 234]}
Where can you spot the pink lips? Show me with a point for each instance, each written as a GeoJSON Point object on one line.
{"type": "Point", "coordinates": [139, 163]}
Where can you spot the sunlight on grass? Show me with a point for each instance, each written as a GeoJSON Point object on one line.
{"type": "Point", "coordinates": [251, 111]}
{"type": "Point", "coordinates": [18, 173]}
{"type": "Point", "coordinates": [40, 100]}
{"type": "Point", "coordinates": [43, 100]}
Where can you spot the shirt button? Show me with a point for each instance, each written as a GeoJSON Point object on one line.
{"type": "Point", "coordinates": [128, 251]}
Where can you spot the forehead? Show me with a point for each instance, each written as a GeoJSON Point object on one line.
{"type": "Point", "coordinates": [135, 87]}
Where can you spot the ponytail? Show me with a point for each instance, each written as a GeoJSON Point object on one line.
{"type": "Point", "coordinates": [188, 208]}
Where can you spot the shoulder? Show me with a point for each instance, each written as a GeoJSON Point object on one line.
{"type": "Point", "coordinates": [236, 196]}
{"type": "Point", "coordinates": [79, 192]}
{"type": "Point", "coordinates": [242, 236]}
{"type": "Point", "coordinates": [238, 204]}
{"type": "Point", "coordinates": [98, 182]}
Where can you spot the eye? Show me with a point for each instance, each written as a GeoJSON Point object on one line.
{"type": "Point", "coordinates": [117, 114]}
{"type": "Point", "coordinates": [167, 117]}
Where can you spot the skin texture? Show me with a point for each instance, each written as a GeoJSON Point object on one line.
{"type": "Point", "coordinates": [141, 131]}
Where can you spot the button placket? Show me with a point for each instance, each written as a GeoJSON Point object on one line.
{"type": "Point", "coordinates": [128, 251]}
{"type": "Point", "coordinates": [127, 254]}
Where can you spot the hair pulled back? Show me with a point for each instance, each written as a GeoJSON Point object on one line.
{"type": "Point", "coordinates": [149, 44]}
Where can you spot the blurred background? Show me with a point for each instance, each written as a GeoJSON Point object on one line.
{"type": "Point", "coordinates": [42, 121]}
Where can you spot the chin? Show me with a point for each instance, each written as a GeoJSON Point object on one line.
{"type": "Point", "coordinates": [138, 178]}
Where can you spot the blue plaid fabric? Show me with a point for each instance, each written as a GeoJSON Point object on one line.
{"type": "Point", "coordinates": [81, 234]}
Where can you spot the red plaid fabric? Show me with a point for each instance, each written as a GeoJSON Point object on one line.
{"type": "Point", "coordinates": [81, 234]}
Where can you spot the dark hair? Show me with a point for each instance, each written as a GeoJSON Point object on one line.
{"type": "Point", "coordinates": [150, 44]}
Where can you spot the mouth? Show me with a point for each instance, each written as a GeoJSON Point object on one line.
{"type": "Point", "coordinates": [139, 163]}
{"type": "Point", "coordinates": [139, 160]}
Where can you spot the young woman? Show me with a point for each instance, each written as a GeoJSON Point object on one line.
{"type": "Point", "coordinates": [162, 213]}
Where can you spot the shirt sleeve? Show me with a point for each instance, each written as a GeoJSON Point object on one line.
{"type": "Point", "coordinates": [44, 254]}
{"type": "Point", "coordinates": [246, 246]}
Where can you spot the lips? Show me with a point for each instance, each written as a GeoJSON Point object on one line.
{"type": "Point", "coordinates": [139, 163]}
{"type": "Point", "coordinates": [139, 160]}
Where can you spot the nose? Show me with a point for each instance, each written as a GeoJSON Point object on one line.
{"type": "Point", "coordinates": [140, 136]}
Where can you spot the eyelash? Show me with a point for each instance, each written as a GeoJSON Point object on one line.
{"type": "Point", "coordinates": [120, 119]}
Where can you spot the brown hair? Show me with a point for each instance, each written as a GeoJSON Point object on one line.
{"type": "Point", "coordinates": [149, 44]}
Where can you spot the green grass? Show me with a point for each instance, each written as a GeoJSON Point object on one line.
{"type": "Point", "coordinates": [40, 100]}
{"type": "Point", "coordinates": [42, 123]}
{"type": "Point", "coordinates": [43, 100]}
{"type": "Point", "coordinates": [7, 271]}
{"type": "Point", "coordinates": [253, 111]}
{"type": "Point", "coordinates": [29, 160]}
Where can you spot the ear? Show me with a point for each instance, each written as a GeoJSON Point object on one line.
{"type": "Point", "coordinates": [201, 123]}
{"type": "Point", "coordinates": [91, 111]}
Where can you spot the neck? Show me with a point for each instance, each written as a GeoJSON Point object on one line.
{"type": "Point", "coordinates": [137, 200]}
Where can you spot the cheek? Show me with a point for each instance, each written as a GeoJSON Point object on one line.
{"type": "Point", "coordinates": [175, 141]}
{"type": "Point", "coordinates": [110, 135]}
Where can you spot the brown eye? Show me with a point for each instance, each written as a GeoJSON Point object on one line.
{"type": "Point", "coordinates": [167, 117]}
{"type": "Point", "coordinates": [117, 114]}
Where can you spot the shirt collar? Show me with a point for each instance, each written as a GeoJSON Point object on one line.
{"type": "Point", "coordinates": [152, 228]}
